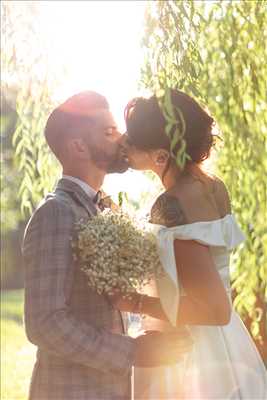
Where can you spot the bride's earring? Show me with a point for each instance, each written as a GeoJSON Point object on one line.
{"type": "Point", "coordinates": [160, 161]}
{"type": "Point", "coordinates": [162, 158]}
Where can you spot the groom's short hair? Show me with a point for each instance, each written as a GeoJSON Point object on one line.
{"type": "Point", "coordinates": [71, 118]}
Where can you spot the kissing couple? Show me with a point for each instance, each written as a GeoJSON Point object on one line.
{"type": "Point", "coordinates": [201, 352]}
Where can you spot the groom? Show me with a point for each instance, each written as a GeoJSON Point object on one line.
{"type": "Point", "coordinates": [83, 351]}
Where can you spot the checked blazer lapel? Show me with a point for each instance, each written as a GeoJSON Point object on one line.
{"type": "Point", "coordinates": [80, 197]}
{"type": "Point", "coordinates": [78, 194]}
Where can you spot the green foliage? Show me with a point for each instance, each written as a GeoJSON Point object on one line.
{"type": "Point", "coordinates": [170, 41]}
{"type": "Point", "coordinates": [27, 83]}
{"type": "Point", "coordinates": [236, 55]}
{"type": "Point", "coordinates": [10, 209]}
{"type": "Point", "coordinates": [12, 305]}
{"type": "Point", "coordinates": [217, 53]}
{"type": "Point", "coordinates": [32, 154]}
{"type": "Point", "coordinates": [172, 58]}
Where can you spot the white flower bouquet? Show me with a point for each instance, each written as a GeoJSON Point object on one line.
{"type": "Point", "coordinates": [116, 252]}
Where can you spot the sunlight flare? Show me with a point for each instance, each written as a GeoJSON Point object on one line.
{"type": "Point", "coordinates": [98, 44]}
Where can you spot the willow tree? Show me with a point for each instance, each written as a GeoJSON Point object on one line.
{"type": "Point", "coordinates": [217, 53]}
{"type": "Point", "coordinates": [28, 77]}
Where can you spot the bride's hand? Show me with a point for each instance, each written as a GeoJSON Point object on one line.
{"type": "Point", "coordinates": [123, 303]}
{"type": "Point", "coordinates": [138, 304]}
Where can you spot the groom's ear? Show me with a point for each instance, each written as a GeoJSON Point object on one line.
{"type": "Point", "coordinates": [78, 147]}
{"type": "Point", "coordinates": [161, 157]}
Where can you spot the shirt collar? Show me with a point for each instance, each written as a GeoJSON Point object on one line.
{"type": "Point", "coordinates": [86, 188]}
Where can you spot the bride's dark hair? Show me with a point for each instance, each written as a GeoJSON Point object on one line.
{"type": "Point", "coordinates": [146, 125]}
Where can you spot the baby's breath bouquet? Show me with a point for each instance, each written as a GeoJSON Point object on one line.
{"type": "Point", "coordinates": [116, 251]}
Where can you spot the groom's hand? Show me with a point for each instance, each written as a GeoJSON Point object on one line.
{"type": "Point", "coordinates": [155, 348]}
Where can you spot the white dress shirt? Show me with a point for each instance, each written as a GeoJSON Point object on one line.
{"type": "Point", "coordinates": [85, 187]}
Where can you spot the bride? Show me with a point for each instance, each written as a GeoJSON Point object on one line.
{"type": "Point", "coordinates": [196, 232]}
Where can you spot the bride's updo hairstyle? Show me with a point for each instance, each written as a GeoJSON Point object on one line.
{"type": "Point", "coordinates": [146, 126]}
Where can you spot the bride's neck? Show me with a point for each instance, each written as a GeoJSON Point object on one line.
{"type": "Point", "coordinates": [174, 176]}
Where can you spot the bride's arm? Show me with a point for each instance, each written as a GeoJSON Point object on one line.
{"type": "Point", "coordinates": [205, 301]}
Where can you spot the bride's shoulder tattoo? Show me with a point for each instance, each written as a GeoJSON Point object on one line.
{"type": "Point", "coordinates": [167, 211]}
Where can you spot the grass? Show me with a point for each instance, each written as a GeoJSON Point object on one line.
{"type": "Point", "coordinates": [17, 354]}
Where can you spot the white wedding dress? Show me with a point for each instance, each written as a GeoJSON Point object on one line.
{"type": "Point", "coordinates": [224, 362]}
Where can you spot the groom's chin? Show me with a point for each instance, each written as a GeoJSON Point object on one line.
{"type": "Point", "coordinates": [118, 168]}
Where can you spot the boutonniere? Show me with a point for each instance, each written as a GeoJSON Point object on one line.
{"type": "Point", "coordinates": [104, 202]}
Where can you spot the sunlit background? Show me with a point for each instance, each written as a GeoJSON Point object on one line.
{"type": "Point", "coordinates": [54, 49]}
{"type": "Point", "coordinates": [99, 45]}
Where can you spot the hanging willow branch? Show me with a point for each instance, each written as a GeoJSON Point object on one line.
{"type": "Point", "coordinates": [162, 73]}
{"type": "Point", "coordinates": [27, 74]}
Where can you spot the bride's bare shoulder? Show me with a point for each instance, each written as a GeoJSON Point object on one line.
{"type": "Point", "coordinates": [167, 211]}
{"type": "Point", "coordinates": [193, 201]}
{"type": "Point", "coordinates": [221, 196]}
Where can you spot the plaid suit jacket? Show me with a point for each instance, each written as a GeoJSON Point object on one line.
{"type": "Point", "coordinates": [82, 350]}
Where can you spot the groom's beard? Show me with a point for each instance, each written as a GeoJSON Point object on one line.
{"type": "Point", "coordinates": [118, 165]}
{"type": "Point", "coordinates": [110, 163]}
